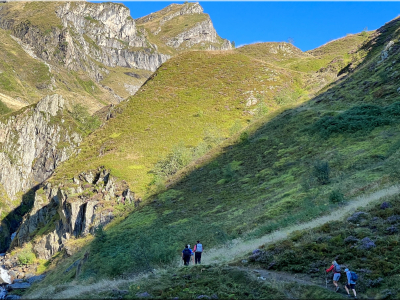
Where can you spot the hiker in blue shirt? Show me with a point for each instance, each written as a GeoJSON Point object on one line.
{"type": "Point", "coordinates": [351, 282]}
{"type": "Point", "coordinates": [186, 255]}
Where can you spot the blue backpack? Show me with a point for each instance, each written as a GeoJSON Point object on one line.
{"type": "Point", "coordinates": [353, 276]}
{"type": "Point", "coordinates": [186, 253]}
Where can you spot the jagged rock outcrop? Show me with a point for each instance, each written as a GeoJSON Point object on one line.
{"type": "Point", "coordinates": [111, 32]}
{"type": "Point", "coordinates": [88, 33]}
{"type": "Point", "coordinates": [201, 34]}
{"type": "Point", "coordinates": [170, 12]}
{"type": "Point", "coordinates": [72, 210]}
{"type": "Point", "coordinates": [33, 143]}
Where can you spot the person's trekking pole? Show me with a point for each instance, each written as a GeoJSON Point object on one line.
{"type": "Point", "coordinates": [326, 280]}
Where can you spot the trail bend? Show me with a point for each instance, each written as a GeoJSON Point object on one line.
{"type": "Point", "coordinates": [239, 247]}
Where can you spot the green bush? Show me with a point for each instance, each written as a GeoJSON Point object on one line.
{"type": "Point", "coordinates": [176, 160]}
{"type": "Point", "coordinates": [26, 257]}
{"type": "Point", "coordinates": [230, 170]}
{"type": "Point", "coordinates": [321, 172]}
{"type": "Point", "coordinates": [364, 33]}
{"type": "Point", "coordinates": [182, 155]}
{"type": "Point", "coordinates": [287, 96]}
{"type": "Point", "coordinates": [336, 197]}
{"type": "Point", "coordinates": [244, 137]}
{"type": "Point", "coordinates": [213, 136]}
{"type": "Point", "coordinates": [261, 109]}
{"type": "Point", "coordinates": [236, 127]}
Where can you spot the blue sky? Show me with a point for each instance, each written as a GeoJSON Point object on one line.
{"type": "Point", "coordinates": [309, 24]}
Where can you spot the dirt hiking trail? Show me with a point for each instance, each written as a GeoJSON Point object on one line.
{"type": "Point", "coordinates": [276, 278]}
{"type": "Point", "coordinates": [267, 275]}
{"type": "Point", "coordinates": [238, 247]}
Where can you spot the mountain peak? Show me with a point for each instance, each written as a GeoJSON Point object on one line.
{"type": "Point", "coordinates": [171, 11]}
{"type": "Point", "coordinates": [183, 27]}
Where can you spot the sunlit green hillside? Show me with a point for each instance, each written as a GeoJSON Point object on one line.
{"type": "Point", "coordinates": [193, 101]}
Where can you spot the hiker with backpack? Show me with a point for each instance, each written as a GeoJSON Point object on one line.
{"type": "Point", "coordinates": [198, 249]}
{"type": "Point", "coordinates": [335, 268]}
{"type": "Point", "coordinates": [351, 282]}
{"type": "Point", "coordinates": [186, 254]}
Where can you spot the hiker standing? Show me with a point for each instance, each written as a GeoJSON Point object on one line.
{"type": "Point", "coordinates": [335, 268]}
{"type": "Point", "coordinates": [186, 254]}
{"type": "Point", "coordinates": [351, 282]}
{"type": "Point", "coordinates": [198, 249]}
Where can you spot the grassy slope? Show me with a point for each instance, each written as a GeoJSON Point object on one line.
{"type": "Point", "coordinates": [20, 74]}
{"type": "Point", "coordinates": [263, 182]}
{"type": "Point", "coordinates": [24, 77]}
{"type": "Point", "coordinates": [189, 94]}
{"type": "Point", "coordinates": [117, 78]}
{"type": "Point", "coordinates": [42, 16]}
{"type": "Point", "coordinates": [286, 55]}
{"type": "Point", "coordinates": [376, 149]}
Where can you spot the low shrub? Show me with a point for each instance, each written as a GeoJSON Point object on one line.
{"type": "Point", "coordinates": [321, 172]}
{"type": "Point", "coordinates": [26, 257]}
{"type": "Point", "coordinates": [336, 197]}
{"type": "Point", "coordinates": [364, 118]}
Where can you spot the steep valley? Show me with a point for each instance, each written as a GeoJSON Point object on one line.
{"type": "Point", "coordinates": [201, 142]}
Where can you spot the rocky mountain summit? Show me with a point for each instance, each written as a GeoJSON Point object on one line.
{"type": "Point", "coordinates": [198, 29]}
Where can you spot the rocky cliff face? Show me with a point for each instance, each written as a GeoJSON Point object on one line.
{"type": "Point", "coordinates": [33, 143]}
{"type": "Point", "coordinates": [72, 210]}
{"type": "Point", "coordinates": [106, 33]}
{"type": "Point", "coordinates": [88, 33]}
{"type": "Point", "coordinates": [201, 34]}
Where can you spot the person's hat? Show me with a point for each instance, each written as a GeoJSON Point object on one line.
{"type": "Point", "coordinates": [346, 270]}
